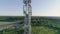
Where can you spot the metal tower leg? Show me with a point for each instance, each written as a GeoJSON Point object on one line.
{"type": "Point", "coordinates": [27, 12]}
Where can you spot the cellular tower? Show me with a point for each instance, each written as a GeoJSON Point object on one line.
{"type": "Point", "coordinates": [27, 10]}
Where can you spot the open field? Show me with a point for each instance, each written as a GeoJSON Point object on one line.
{"type": "Point", "coordinates": [2, 23]}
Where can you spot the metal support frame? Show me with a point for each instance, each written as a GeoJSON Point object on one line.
{"type": "Point", "coordinates": [27, 9]}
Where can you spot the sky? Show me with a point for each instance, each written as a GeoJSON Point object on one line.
{"type": "Point", "coordinates": [39, 7]}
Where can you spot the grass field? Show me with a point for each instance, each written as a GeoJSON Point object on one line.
{"type": "Point", "coordinates": [44, 26]}
{"type": "Point", "coordinates": [34, 30]}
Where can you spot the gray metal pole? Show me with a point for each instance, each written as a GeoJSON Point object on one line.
{"type": "Point", "coordinates": [27, 9]}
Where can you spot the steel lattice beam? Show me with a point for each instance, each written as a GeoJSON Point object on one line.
{"type": "Point", "coordinates": [27, 9]}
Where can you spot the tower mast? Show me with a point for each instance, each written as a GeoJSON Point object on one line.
{"type": "Point", "coordinates": [27, 9]}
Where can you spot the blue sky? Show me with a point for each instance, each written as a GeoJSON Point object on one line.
{"type": "Point", "coordinates": [39, 7]}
